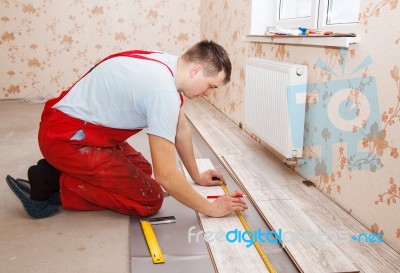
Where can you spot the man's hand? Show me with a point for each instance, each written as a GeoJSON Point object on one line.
{"type": "Point", "coordinates": [206, 178]}
{"type": "Point", "coordinates": [228, 203]}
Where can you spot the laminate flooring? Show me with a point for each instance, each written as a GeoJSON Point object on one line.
{"type": "Point", "coordinates": [286, 204]}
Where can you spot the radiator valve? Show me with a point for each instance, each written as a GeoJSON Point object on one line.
{"type": "Point", "coordinates": [292, 162]}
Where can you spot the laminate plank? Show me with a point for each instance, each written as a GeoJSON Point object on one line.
{"type": "Point", "coordinates": [226, 138]}
{"type": "Point", "coordinates": [328, 216]}
{"type": "Point", "coordinates": [283, 213]}
{"type": "Point", "coordinates": [275, 253]}
{"type": "Point", "coordinates": [219, 137]}
{"type": "Point", "coordinates": [259, 176]}
{"type": "Point", "coordinates": [228, 257]}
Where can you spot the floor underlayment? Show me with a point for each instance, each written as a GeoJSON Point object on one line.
{"type": "Point", "coordinates": [184, 253]}
{"type": "Point", "coordinates": [99, 241]}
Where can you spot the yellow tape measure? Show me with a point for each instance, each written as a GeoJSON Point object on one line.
{"type": "Point", "coordinates": [256, 244]}
{"type": "Point", "coordinates": [152, 243]}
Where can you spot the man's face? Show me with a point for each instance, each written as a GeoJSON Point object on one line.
{"type": "Point", "coordinates": [200, 85]}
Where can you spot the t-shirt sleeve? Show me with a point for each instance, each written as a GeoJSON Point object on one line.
{"type": "Point", "coordinates": [162, 114]}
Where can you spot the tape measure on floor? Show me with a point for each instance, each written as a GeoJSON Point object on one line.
{"type": "Point", "coordinates": [256, 244]}
{"type": "Point", "coordinates": [152, 242]}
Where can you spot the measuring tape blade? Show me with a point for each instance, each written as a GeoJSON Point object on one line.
{"type": "Point", "coordinates": [257, 245]}
{"type": "Point", "coordinates": [152, 243]}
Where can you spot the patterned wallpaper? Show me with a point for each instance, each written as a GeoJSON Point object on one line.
{"type": "Point", "coordinates": [357, 166]}
{"type": "Point", "coordinates": [48, 44]}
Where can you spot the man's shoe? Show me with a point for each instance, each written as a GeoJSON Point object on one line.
{"type": "Point", "coordinates": [36, 209]}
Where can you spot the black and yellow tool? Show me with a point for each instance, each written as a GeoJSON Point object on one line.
{"type": "Point", "coordinates": [246, 226]}
{"type": "Point", "coordinates": [151, 238]}
{"type": "Point", "coordinates": [257, 245]}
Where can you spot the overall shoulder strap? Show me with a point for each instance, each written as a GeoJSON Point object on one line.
{"type": "Point", "coordinates": [138, 54]}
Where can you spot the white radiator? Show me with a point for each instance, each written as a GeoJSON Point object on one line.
{"type": "Point", "coordinates": [275, 104]}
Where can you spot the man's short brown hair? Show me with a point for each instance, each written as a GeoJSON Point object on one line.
{"type": "Point", "coordinates": [212, 56]}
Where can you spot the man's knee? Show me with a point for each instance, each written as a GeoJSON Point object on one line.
{"type": "Point", "coordinates": [152, 207]}
{"type": "Point", "coordinates": [158, 201]}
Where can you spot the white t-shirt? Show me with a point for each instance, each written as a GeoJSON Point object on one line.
{"type": "Point", "coordinates": [128, 93]}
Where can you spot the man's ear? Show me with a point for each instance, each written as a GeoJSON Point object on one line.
{"type": "Point", "coordinates": [196, 68]}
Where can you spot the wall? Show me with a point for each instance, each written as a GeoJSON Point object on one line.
{"type": "Point", "coordinates": [356, 164]}
{"type": "Point", "coordinates": [46, 45]}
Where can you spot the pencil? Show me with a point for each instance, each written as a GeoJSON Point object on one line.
{"type": "Point", "coordinates": [217, 196]}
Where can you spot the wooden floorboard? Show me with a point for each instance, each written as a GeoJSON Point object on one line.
{"type": "Point", "coordinates": [228, 257]}
{"type": "Point", "coordinates": [273, 187]}
{"type": "Point", "coordinates": [370, 257]}
{"type": "Point", "coordinates": [283, 213]}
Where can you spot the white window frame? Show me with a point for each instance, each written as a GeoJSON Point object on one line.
{"type": "Point", "coordinates": [309, 22]}
{"type": "Point", "coordinates": [265, 13]}
{"type": "Point", "coordinates": [343, 28]}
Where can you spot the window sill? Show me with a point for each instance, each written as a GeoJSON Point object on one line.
{"type": "Point", "coordinates": [332, 41]}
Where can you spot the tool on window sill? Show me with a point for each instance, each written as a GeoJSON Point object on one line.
{"type": "Point", "coordinates": [314, 32]}
{"type": "Point", "coordinates": [307, 31]}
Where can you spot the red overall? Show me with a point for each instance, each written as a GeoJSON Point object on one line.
{"type": "Point", "coordinates": [102, 171]}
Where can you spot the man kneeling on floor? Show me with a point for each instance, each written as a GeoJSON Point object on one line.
{"type": "Point", "coordinates": [88, 165]}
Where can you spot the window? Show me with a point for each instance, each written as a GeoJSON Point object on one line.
{"type": "Point", "coordinates": [289, 9]}
{"type": "Point", "coordinates": [332, 15]}
{"type": "Point", "coordinates": [294, 14]}
{"type": "Point", "coordinates": [339, 15]}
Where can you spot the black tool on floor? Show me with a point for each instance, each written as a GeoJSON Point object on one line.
{"type": "Point", "coordinates": [161, 220]}
{"type": "Point", "coordinates": [151, 238]}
